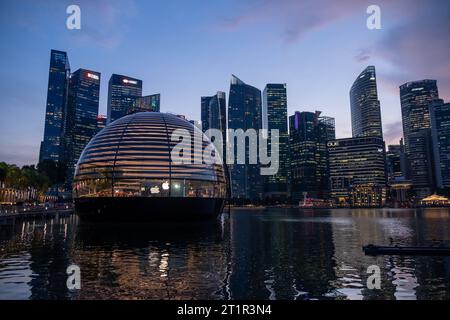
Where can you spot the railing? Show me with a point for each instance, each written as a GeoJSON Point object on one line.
{"type": "Point", "coordinates": [11, 210]}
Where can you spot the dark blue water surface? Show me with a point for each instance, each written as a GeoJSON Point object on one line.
{"type": "Point", "coordinates": [270, 253]}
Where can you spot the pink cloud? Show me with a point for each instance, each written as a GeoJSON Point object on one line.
{"type": "Point", "coordinates": [296, 18]}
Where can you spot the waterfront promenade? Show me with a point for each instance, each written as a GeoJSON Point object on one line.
{"type": "Point", "coordinates": [10, 213]}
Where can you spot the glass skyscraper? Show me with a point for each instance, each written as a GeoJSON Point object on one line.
{"type": "Point", "coordinates": [58, 80]}
{"type": "Point", "coordinates": [421, 162]}
{"type": "Point", "coordinates": [81, 115]}
{"type": "Point", "coordinates": [308, 169]}
{"type": "Point", "coordinates": [274, 116]}
{"type": "Point", "coordinates": [214, 116]}
{"type": "Point", "coordinates": [440, 133]}
{"type": "Point", "coordinates": [149, 103]}
{"type": "Point", "coordinates": [244, 112]}
{"type": "Point", "coordinates": [415, 98]}
{"type": "Point", "coordinates": [365, 106]}
{"type": "Point", "coordinates": [357, 171]}
{"type": "Point", "coordinates": [122, 92]}
{"type": "Point", "coordinates": [396, 162]}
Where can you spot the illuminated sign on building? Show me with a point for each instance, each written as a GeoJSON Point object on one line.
{"type": "Point", "coordinates": [93, 76]}
{"type": "Point", "coordinates": [127, 81]}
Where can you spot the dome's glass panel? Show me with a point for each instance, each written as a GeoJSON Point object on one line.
{"type": "Point", "coordinates": [131, 158]}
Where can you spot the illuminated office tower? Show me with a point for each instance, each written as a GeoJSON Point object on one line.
{"type": "Point", "coordinates": [122, 92]}
{"type": "Point", "coordinates": [365, 106]}
{"type": "Point", "coordinates": [357, 171]}
{"type": "Point", "coordinates": [274, 116]}
{"type": "Point", "coordinates": [415, 98]}
{"type": "Point", "coordinates": [244, 112]}
{"type": "Point", "coordinates": [214, 116]}
{"type": "Point", "coordinates": [150, 103]}
{"type": "Point", "coordinates": [58, 80]}
{"type": "Point", "coordinates": [440, 133]}
{"type": "Point", "coordinates": [396, 162]}
{"type": "Point", "coordinates": [81, 115]}
{"type": "Point", "coordinates": [308, 168]}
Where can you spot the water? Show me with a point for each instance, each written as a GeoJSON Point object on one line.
{"type": "Point", "coordinates": [249, 254]}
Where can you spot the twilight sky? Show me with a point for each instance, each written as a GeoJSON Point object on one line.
{"type": "Point", "coordinates": [185, 49]}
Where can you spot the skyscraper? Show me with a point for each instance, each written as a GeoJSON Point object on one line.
{"type": "Point", "coordinates": [440, 133]}
{"type": "Point", "coordinates": [421, 162]}
{"type": "Point", "coordinates": [357, 171]}
{"type": "Point", "coordinates": [244, 112]}
{"type": "Point", "coordinates": [396, 162]}
{"type": "Point", "coordinates": [365, 106]}
{"type": "Point", "coordinates": [415, 98]}
{"type": "Point", "coordinates": [150, 103]}
{"type": "Point", "coordinates": [214, 116]}
{"type": "Point", "coordinates": [274, 116]}
{"type": "Point", "coordinates": [308, 169]}
{"type": "Point", "coordinates": [58, 80]}
{"type": "Point", "coordinates": [122, 92]}
{"type": "Point", "coordinates": [81, 115]}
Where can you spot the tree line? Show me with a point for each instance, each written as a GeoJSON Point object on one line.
{"type": "Point", "coordinates": [41, 177]}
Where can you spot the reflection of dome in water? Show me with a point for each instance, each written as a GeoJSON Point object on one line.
{"type": "Point", "coordinates": [126, 171]}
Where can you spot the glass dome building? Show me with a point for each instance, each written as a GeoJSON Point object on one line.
{"type": "Point", "coordinates": [126, 171]}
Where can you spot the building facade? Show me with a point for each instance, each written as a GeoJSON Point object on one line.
{"type": "Point", "coordinates": [415, 98]}
{"type": "Point", "coordinates": [274, 117]}
{"type": "Point", "coordinates": [214, 116]}
{"type": "Point", "coordinates": [308, 159]}
{"type": "Point", "coordinates": [58, 80]}
{"type": "Point", "coordinates": [421, 162]}
{"type": "Point", "coordinates": [365, 106]}
{"type": "Point", "coordinates": [357, 171]}
{"type": "Point", "coordinates": [122, 92]}
{"type": "Point", "coordinates": [396, 162]}
{"type": "Point", "coordinates": [101, 122]}
{"type": "Point", "coordinates": [81, 115]}
{"type": "Point", "coordinates": [149, 103]}
{"type": "Point", "coordinates": [440, 134]}
{"type": "Point", "coordinates": [244, 112]}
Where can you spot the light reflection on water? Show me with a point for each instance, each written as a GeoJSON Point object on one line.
{"type": "Point", "coordinates": [249, 254]}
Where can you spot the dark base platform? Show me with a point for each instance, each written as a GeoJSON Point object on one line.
{"type": "Point", "coordinates": [148, 209]}
{"type": "Point", "coordinates": [374, 250]}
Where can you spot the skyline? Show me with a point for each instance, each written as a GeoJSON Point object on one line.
{"type": "Point", "coordinates": [199, 61]}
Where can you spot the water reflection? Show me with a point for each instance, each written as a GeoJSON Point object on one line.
{"type": "Point", "coordinates": [249, 254]}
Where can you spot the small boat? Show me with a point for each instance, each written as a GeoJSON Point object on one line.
{"type": "Point", "coordinates": [374, 250]}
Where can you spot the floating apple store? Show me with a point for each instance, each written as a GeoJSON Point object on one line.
{"type": "Point", "coordinates": [126, 172]}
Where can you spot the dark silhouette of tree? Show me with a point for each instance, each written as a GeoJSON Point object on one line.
{"type": "Point", "coordinates": [55, 171]}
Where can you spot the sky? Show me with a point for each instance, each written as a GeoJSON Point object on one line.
{"type": "Point", "coordinates": [185, 49]}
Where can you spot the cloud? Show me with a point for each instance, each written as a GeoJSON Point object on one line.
{"type": "Point", "coordinates": [392, 132]}
{"type": "Point", "coordinates": [362, 56]}
{"type": "Point", "coordinates": [415, 33]}
{"type": "Point", "coordinates": [418, 47]}
{"type": "Point", "coordinates": [105, 22]}
{"type": "Point", "coordinates": [295, 18]}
